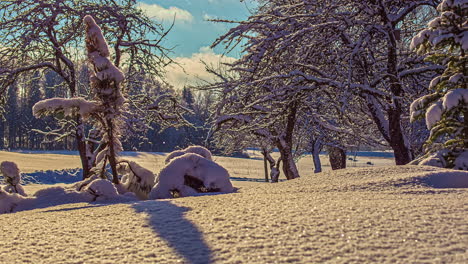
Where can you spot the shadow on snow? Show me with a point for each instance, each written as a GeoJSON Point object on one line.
{"type": "Point", "coordinates": [168, 221]}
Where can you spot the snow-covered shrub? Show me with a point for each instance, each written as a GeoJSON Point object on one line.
{"type": "Point", "coordinates": [101, 189]}
{"type": "Point", "coordinates": [202, 151]}
{"type": "Point", "coordinates": [9, 201]}
{"type": "Point", "coordinates": [173, 154]}
{"type": "Point", "coordinates": [12, 177]}
{"type": "Point", "coordinates": [188, 175]}
{"type": "Point", "coordinates": [136, 179]}
{"type": "Point", "coordinates": [445, 110]}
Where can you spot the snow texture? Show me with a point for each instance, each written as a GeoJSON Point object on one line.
{"type": "Point", "coordinates": [173, 177]}
{"type": "Point", "coordinates": [434, 114]}
{"type": "Point", "coordinates": [69, 106]}
{"type": "Point", "coordinates": [95, 36]}
{"type": "Point", "coordinates": [372, 215]}
{"type": "Point", "coordinates": [435, 160]}
{"type": "Point", "coordinates": [461, 162]}
{"type": "Point", "coordinates": [454, 98]}
{"type": "Point", "coordinates": [202, 151]}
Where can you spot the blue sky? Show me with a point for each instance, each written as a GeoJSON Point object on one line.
{"type": "Point", "coordinates": [192, 34]}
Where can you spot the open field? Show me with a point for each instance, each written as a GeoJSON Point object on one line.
{"type": "Point", "coordinates": [373, 214]}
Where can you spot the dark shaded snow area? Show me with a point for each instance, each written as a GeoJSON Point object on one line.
{"type": "Point", "coordinates": [53, 176]}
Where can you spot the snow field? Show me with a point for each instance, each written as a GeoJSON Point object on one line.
{"type": "Point", "coordinates": [358, 215]}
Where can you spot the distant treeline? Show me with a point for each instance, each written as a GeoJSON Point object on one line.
{"type": "Point", "coordinates": [19, 129]}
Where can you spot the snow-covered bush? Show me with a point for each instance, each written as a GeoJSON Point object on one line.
{"type": "Point", "coordinates": [101, 189]}
{"type": "Point", "coordinates": [188, 175]}
{"type": "Point", "coordinates": [12, 178]}
{"type": "Point", "coordinates": [173, 154]}
{"type": "Point", "coordinates": [202, 151]}
{"type": "Point", "coordinates": [9, 201]}
{"type": "Point", "coordinates": [136, 179]}
{"type": "Point", "coordinates": [445, 110]}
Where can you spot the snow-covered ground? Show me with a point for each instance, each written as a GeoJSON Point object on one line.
{"type": "Point", "coordinates": [368, 214]}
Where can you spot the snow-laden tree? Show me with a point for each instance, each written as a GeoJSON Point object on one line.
{"type": "Point", "coordinates": [12, 178]}
{"type": "Point", "coordinates": [47, 36]}
{"type": "Point", "coordinates": [353, 48]}
{"type": "Point", "coordinates": [104, 112]}
{"type": "Point", "coordinates": [445, 42]}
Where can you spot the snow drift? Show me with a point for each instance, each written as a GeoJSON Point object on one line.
{"type": "Point", "coordinates": [188, 175]}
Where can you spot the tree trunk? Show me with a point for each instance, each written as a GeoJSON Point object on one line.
{"type": "Point", "coordinates": [289, 166]}
{"type": "Point", "coordinates": [285, 143]}
{"type": "Point", "coordinates": [2, 134]}
{"type": "Point", "coordinates": [397, 139]}
{"type": "Point", "coordinates": [337, 157]}
{"type": "Point", "coordinates": [265, 164]}
{"type": "Point", "coordinates": [81, 146]}
{"type": "Point", "coordinates": [112, 154]}
{"type": "Point", "coordinates": [465, 129]}
{"type": "Point", "coordinates": [316, 148]}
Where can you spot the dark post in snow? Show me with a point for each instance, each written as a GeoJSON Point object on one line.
{"type": "Point", "coordinates": [105, 84]}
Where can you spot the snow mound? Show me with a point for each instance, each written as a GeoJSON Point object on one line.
{"type": "Point", "coordinates": [101, 189]}
{"type": "Point", "coordinates": [9, 201]}
{"type": "Point", "coordinates": [395, 179]}
{"type": "Point", "coordinates": [202, 151]}
{"type": "Point", "coordinates": [188, 175]}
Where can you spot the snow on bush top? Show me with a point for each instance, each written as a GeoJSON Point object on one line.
{"type": "Point", "coordinates": [11, 172]}
{"type": "Point", "coordinates": [69, 106]}
{"type": "Point", "coordinates": [173, 154]}
{"type": "Point", "coordinates": [202, 151]}
{"type": "Point", "coordinates": [101, 189]}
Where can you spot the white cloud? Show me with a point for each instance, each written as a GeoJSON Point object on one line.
{"type": "Point", "coordinates": [158, 12]}
{"type": "Point", "coordinates": [194, 68]}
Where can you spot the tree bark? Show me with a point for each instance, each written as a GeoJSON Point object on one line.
{"type": "Point", "coordinates": [112, 154]}
{"type": "Point", "coordinates": [81, 146]}
{"type": "Point", "coordinates": [397, 138]}
{"type": "Point", "coordinates": [265, 164]}
{"type": "Point", "coordinates": [285, 143]}
{"type": "Point", "coordinates": [316, 147]}
{"type": "Point", "coordinates": [337, 157]}
{"type": "Point", "coordinates": [465, 129]}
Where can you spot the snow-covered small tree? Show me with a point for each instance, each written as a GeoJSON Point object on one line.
{"type": "Point", "coordinates": [105, 85]}
{"type": "Point", "coordinates": [445, 41]}
{"type": "Point", "coordinates": [12, 178]}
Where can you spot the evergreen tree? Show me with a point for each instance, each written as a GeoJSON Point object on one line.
{"type": "Point", "coordinates": [445, 41]}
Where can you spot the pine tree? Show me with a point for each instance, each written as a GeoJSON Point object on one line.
{"type": "Point", "coordinates": [445, 41]}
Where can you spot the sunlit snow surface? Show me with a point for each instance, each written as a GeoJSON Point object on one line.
{"type": "Point", "coordinates": [375, 214]}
